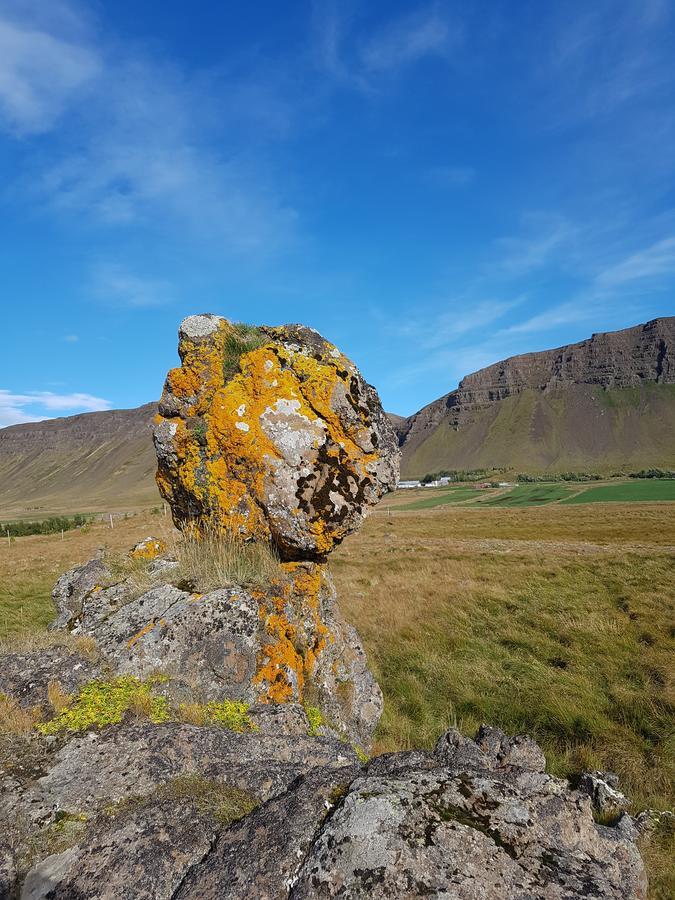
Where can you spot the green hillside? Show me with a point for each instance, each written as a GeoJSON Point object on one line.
{"type": "Point", "coordinates": [578, 428]}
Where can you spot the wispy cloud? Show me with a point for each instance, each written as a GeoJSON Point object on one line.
{"type": "Point", "coordinates": [651, 263]}
{"type": "Point", "coordinates": [545, 236]}
{"type": "Point", "coordinates": [141, 146]}
{"type": "Point", "coordinates": [357, 54]}
{"type": "Point", "coordinates": [115, 284]}
{"type": "Point", "coordinates": [40, 74]}
{"type": "Point", "coordinates": [34, 406]}
{"type": "Point", "coordinates": [409, 38]}
{"type": "Point", "coordinates": [610, 55]}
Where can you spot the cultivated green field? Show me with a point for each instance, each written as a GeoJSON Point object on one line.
{"type": "Point", "coordinates": [529, 495]}
{"type": "Point", "coordinates": [627, 492]}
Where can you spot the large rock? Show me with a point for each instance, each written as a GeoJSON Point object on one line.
{"type": "Point", "coordinates": [286, 643]}
{"type": "Point", "coordinates": [272, 433]}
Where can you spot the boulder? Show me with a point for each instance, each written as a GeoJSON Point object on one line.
{"type": "Point", "coordinates": [271, 433]}
{"type": "Point", "coordinates": [603, 789]}
{"type": "Point", "coordinates": [286, 643]}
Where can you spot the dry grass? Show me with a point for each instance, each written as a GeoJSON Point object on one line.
{"type": "Point", "coordinates": [14, 719]}
{"type": "Point", "coordinates": [58, 699]}
{"type": "Point", "coordinates": [554, 621]}
{"type": "Point", "coordinates": [213, 559]}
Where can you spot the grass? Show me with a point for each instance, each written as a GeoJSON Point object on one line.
{"type": "Point", "coordinates": [242, 339]}
{"type": "Point", "coordinates": [215, 559]}
{"type": "Point", "coordinates": [647, 490]}
{"type": "Point", "coordinates": [556, 621]}
{"type": "Point", "coordinates": [438, 498]}
{"type": "Point", "coordinates": [222, 802]}
{"type": "Point", "coordinates": [529, 495]}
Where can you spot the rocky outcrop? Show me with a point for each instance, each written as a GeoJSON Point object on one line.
{"type": "Point", "coordinates": [299, 818]}
{"type": "Point", "coordinates": [285, 643]}
{"type": "Point", "coordinates": [183, 743]}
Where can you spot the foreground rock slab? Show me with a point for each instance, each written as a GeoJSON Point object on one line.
{"type": "Point", "coordinates": [473, 820]}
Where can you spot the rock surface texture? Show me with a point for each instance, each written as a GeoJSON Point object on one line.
{"type": "Point", "coordinates": [177, 811]}
{"type": "Point", "coordinates": [272, 433]}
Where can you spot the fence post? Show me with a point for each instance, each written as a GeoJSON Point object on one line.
{"type": "Point", "coordinates": [111, 521]}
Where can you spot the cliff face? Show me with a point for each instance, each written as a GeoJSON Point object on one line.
{"type": "Point", "coordinates": [617, 366]}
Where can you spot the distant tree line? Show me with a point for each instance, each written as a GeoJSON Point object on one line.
{"type": "Point", "coordinates": [47, 526]}
{"type": "Point", "coordinates": [653, 473]}
{"type": "Point", "coordinates": [526, 478]}
{"type": "Point", "coordinates": [460, 475]}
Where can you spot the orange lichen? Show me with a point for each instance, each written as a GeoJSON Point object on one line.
{"type": "Point", "coordinates": [289, 657]}
{"type": "Point", "coordinates": [148, 549]}
{"type": "Point", "coordinates": [226, 464]}
{"type": "Point", "coordinates": [145, 630]}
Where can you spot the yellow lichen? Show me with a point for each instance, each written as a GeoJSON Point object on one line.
{"type": "Point", "coordinates": [148, 549]}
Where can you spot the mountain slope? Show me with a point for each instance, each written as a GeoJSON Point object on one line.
{"type": "Point", "coordinates": [92, 462]}
{"type": "Point", "coordinates": [607, 402]}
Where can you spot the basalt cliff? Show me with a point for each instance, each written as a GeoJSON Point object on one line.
{"type": "Point", "coordinates": [174, 739]}
{"type": "Point", "coordinates": [608, 401]}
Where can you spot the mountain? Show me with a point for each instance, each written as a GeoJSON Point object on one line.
{"type": "Point", "coordinates": [94, 462]}
{"type": "Point", "coordinates": [605, 403]}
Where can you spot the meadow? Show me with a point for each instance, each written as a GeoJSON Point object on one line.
{"type": "Point", "coordinates": [556, 620]}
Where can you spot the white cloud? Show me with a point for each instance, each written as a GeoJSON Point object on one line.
{"type": "Point", "coordinates": [654, 261]}
{"type": "Point", "coordinates": [408, 39]}
{"type": "Point", "coordinates": [115, 284]}
{"type": "Point", "coordinates": [356, 55]}
{"type": "Point", "coordinates": [34, 406]}
{"type": "Point", "coordinates": [144, 146]}
{"type": "Point", "coordinates": [40, 74]}
{"type": "Point", "coordinates": [71, 338]}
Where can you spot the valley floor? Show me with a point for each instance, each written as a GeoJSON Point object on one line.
{"type": "Point", "coordinates": [556, 620]}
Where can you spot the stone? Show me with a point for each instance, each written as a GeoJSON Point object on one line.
{"type": "Point", "coordinates": [72, 587]}
{"type": "Point", "coordinates": [474, 828]}
{"type": "Point", "coordinates": [602, 788]}
{"type": "Point", "coordinates": [26, 675]}
{"type": "Point", "coordinates": [95, 769]}
{"type": "Point", "coordinates": [261, 855]}
{"type": "Point", "coordinates": [271, 433]}
{"type": "Point", "coordinates": [286, 643]}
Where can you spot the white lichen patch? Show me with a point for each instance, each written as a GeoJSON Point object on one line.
{"type": "Point", "coordinates": [242, 426]}
{"type": "Point", "coordinates": [241, 409]}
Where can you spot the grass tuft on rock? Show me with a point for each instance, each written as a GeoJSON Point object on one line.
{"type": "Point", "coordinates": [214, 558]}
{"type": "Point", "coordinates": [241, 339]}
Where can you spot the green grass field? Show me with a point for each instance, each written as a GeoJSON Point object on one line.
{"type": "Point", "coordinates": [529, 495]}
{"type": "Point", "coordinates": [627, 492]}
{"type": "Point", "coordinates": [443, 496]}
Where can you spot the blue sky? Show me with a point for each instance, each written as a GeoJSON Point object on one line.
{"type": "Point", "coordinates": [433, 186]}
